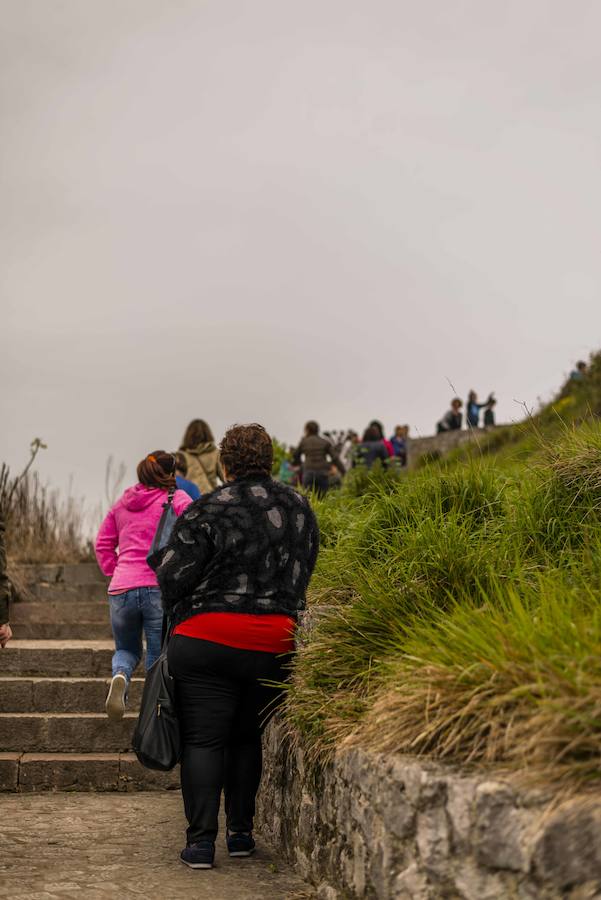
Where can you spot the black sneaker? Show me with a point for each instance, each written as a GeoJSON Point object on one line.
{"type": "Point", "coordinates": [198, 856]}
{"type": "Point", "coordinates": [240, 844]}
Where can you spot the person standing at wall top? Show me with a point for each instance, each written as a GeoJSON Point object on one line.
{"type": "Point", "coordinates": [473, 409]}
{"type": "Point", "coordinates": [399, 443]}
{"type": "Point", "coordinates": [202, 456]}
{"type": "Point", "coordinates": [5, 590]}
{"type": "Point", "coordinates": [451, 421]}
{"type": "Point", "coordinates": [489, 412]}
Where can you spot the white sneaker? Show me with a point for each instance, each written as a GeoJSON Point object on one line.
{"type": "Point", "coordinates": [116, 697]}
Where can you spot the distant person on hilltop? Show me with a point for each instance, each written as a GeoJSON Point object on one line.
{"type": "Point", "coordinates": [489, 412]}
{"type": "Point", "coordinates": [399, 443]}
{"type": "Point", "coordinates": [451, 421]}
{"type": "Point", "coordinates": [123, 543]}
{"type": "Point", "coordinates": [5, 630]}
{"type": "Point", "coordinates": [472, 413]}
{"type": "Point", "coordinates": [181, 470]}
{"type": "Point", "coordinates": [379, 428]}
{"type": "Point", "coordinates": [317, 455]}
{"type": "Point", "coordinates": [202, 456]}
{"type": "Point", "coordinates": [370, 449]}
{"type": "Point", "coordinates": [579, 373]}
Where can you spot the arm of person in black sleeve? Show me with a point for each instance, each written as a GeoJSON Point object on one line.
{"type": "Point", "coordinates": [181, 564]}
{"type": "Point", "coordinates": [5, 631]}
{"type": "Point", "coordinates": [313, 543]}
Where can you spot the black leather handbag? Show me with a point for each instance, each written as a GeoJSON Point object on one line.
{"type": "Point", "coordinates": [156, 740]}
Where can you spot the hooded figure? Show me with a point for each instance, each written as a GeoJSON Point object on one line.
{"type": "Point", "coordinates": [122, 546]}
{"type": "Point", "coordinates": [202, 456]}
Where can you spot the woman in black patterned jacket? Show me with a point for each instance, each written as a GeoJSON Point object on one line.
{"type": "Point", "coordinates": [233, 579]}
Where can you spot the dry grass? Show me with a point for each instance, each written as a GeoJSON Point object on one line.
{"type": "Point", "coordinates": [40, 527]}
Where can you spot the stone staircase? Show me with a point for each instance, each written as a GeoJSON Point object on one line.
{"type": "Point", "coordinates": [54, 734]}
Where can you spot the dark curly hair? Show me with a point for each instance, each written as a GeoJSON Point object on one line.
{"type": "Point", "coordinates": [157, 470]}
{"type": "Point", "coordinates": [247, 450]}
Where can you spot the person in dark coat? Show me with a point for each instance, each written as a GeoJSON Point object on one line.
{"type": "Point", "coordinates": [489, 413]}
{"type": "Point", "coordinates": [317, 456]}
{"type": "Point", "coordinates": [451, 421]}
{"type": "Point", "coordinates": [5, 590]}
{"type": "Point", "coordinates": [370, 449]}
{"type": "Point", "coordinates": [233, 579]}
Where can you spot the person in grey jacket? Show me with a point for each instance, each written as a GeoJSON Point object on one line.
{"type": "Point", "coordinates": [5, 630]}
{"type": "Point", "coordinates": [317, 456]}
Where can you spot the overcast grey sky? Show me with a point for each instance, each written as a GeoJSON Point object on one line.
{"type": "Point", "coordinates": [273, 210]}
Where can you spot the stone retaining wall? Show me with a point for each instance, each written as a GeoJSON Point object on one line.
{"type": "Point", "coordinates": [438, 445]}
{"type": "Point", "coordinates": [375, 826]}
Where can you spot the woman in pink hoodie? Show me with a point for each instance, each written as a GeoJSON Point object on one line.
{"type": "Point", "coordinates": [122, 545]}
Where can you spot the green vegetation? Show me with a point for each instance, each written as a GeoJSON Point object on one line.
{"type": "Point", "coordinates": [457, 608]}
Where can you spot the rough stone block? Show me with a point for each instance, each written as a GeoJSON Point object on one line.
{"type": "Point", "coordinates": [499, 839]}
{"type": "Point", "coordinates": [433, 839]}
{"type": "Point", "coordinates": [134, 777]}
{"type": "Point", "coordinates": [19, 732]}
{"type": "Point", "coordinates": [88, 733]}
{"type": "Point", "coordinates": [461, 795]}
{"type": "Point", "coordinates": [62, 631]}
{"type": "Point", "coordinates": [568, 848]}
{"type": "Point", "coordinates": [9, 771]}
{"type": "Point", "coordinates": [69, 772]}
{"type": "Point", "coordinates": [411, 884]}
{"type": "Point", "coordinates": [78, 694]}
{"type": "Point", "coordinates": [16, 694]}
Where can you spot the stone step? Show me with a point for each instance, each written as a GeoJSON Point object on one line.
{"type": "Point", "coordinates": [72, 574]}
{"type": "Point", "coordinates": [62, 631]}
{"type": "Point", "coordinates": [67, 593]}
{"type": "Point", "coordinates": [51, 612]}
{"type": "Point", "coordinates": [73, 695]}
{"type": "Point", "coordinates": [80, 772]}
{"type": "Point", "coordinates": [52, 732]}
{"type": "Point", "coordinates": [38, 658]}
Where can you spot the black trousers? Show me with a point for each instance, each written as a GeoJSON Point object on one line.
{"type": "Point", "coordinates": [223, 707]}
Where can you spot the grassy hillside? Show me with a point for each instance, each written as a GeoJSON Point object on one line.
{"type": "Point", "coordinates": [459, 606]}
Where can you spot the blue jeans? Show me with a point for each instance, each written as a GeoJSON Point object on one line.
{"type": "Point", "coordinates": [132, 612]}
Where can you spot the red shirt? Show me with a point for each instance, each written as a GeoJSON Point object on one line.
{"type": "Point", "coordinates": [269, 633]}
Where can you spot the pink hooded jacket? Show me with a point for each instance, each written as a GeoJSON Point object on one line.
{"type": "Point", "coordinates": [131, 525]}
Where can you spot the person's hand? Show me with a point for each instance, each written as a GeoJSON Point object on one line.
{"type": "Point", "coordinates": [5, 635]}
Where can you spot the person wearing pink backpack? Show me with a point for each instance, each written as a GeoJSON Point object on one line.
{"type": "Point", "coordinates": [122, 545]}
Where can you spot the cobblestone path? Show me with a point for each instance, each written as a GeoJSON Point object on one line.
{"type": "Point", "coordinates": [97, 846]}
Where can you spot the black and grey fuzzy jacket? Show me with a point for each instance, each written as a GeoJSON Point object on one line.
{"type": "Point", "coordinates": [250, 546]}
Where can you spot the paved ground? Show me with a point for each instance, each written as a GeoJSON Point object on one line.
{"type": "Point", "coordinates": [96, 846]}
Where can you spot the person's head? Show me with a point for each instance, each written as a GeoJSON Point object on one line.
{"type": "Point", "coordinates": [378, 427]}
{"type": "Point", "coordinates": [491, 402]}
{"type": "Point", "coordinates": [456, 404]}
{"type": "Point", "coordinates": [181, 465]}
{"type": "Point", "coordinates": [399, 431]}
{"type": "Point", "coordinates": [472, 397]}
{"type": "Point", "coordinates": [246, 450]}
{"type": "Point", "coordinates": [157, 470]}
{"type": "Point", "coordinates": [197, 432]}
{"type": "Point", "coordinates": [311, 428]}
{"type": "Point", "coordinates": [581, 366]}
{"type": "Point", "coordinates": [371, 434]}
